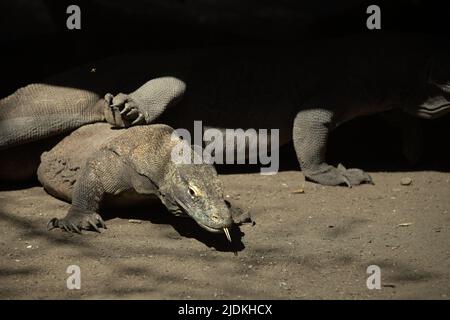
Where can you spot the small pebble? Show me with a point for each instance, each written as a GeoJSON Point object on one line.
{"type": "Point", "coordinates": [406, 224]}
{"type": "Point", "coordinates": [406, 181]}
{"type": "Point", "coordinates": [135, 221]}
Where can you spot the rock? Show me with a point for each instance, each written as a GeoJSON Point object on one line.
{"type": "Point", "coordinates": [406, 181]}
{"type": "Point", "coordinates": [405, 224]}
{"type": "Point", "coordinates": [135, 221]}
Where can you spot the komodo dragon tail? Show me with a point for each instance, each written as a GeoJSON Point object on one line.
{"type": "Point", "coordinates": [41, 110]}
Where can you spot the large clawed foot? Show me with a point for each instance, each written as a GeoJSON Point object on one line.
{"type": "Point", "coordinates": [355, 176]}
{"type": "Point", "coordinates": [238, 215]}
{"type": "Point", "coordinates": [331, 176]}
{"type": "Point", "coordinates": [129, 111]}
{"type": "Point", "coordinates": [77, 220]}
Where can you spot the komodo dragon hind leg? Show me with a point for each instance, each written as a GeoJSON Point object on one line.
{"type": "Point", "coordinates": [310, 135]}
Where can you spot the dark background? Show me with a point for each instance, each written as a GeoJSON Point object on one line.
{"type": "Point", "coordinates": [35, 43]}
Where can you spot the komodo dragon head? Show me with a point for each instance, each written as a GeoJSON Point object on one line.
{"type": "Point", "coordinates": [186, 188]}
{"type": "Point", "coordinates": [196, 191]}
{"type": "Point", "coordinates": [437, 100]}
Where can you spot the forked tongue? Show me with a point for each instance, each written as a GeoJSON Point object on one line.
{"type": "Point", "coordinates": [227, 233]}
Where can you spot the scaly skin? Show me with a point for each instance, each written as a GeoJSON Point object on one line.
{"type": "Point", "coordinates": [123, 166]}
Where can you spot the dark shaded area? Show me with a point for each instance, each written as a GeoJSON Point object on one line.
{"type": "Point", "coordinates": [372, 144]}
{"type": "Point", "coordinates": [36, 43]}
{"type": "Point", "coordinates": [398, 272]}
{"type": "Point", "coordinates": [185, 226]}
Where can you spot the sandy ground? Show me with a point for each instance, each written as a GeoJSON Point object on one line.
{"type": "Point", "coordinates": [302, 246]}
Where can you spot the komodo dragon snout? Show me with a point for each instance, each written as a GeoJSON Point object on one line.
{"type": "Point", "coordinates": [436, 103]}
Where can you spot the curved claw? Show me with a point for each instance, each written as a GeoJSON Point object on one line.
{"type": "Point", "coordinates": [94, 226]}
{"type": "Point", "coordinates": [102, 223]}
{"type": "Point", "coordinates": [75, 228]}
{"type": "Point", "coordinates": [139, 119]}
{"type": "Point", "coordinates": [347, 182]}
{"type": "Point", "coordinates": [128, 108]}
{"type": "Point", "coordinates": [132, 113]}
{"type": "Point", "coordinates": [52, 224]}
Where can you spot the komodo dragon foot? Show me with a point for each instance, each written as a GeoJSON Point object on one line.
{"type": "Point", "coordinates": [129, 113]}
{"type": "Point", "coordinates": [331, 176]}
{"type": "Point", "coordinates": [238, 215]}
{"type": "Point", "coordinates": [77, 220]}
{"type": "Point", "coordinates": [145, 104]}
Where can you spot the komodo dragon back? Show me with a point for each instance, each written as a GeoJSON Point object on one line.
{"type": "Point", "coordinates": [60, 167]}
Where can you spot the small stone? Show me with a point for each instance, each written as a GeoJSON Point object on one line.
{"type": "Point", "coordinates": [406, 181]}
{"type": "Point", "coordinates": [405, 224]}
{"type": "Point", "coordinates": [29, 247]}
{"type": "Point", "coordinates": [135, 221]}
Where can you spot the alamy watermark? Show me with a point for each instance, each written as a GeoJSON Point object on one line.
{"type": "Point", "coordinates": [373, 22]}
{"type": "Point", "coordinates": [74, 20]}
{"type": "Point", "coordinates": [374, 280]}
{"type": "Point", "coordinates": [74, 280]}
{"type": "Point", "coordinates": [229, 146]}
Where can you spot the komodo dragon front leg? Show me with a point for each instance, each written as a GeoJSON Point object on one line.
{"type": "Point", "coordinates": [310, 136]}
{"type": "Point", "coordinates": [105, 173]}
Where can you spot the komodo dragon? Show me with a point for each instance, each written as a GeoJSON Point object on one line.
{"type": "Point", "coordinates": [304, 93]}
{"type": "Point", "coordinates": [118, 168]}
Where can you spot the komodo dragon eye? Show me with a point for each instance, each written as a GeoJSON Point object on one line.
{"type": "Point", "coordinates": [193, 191]}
